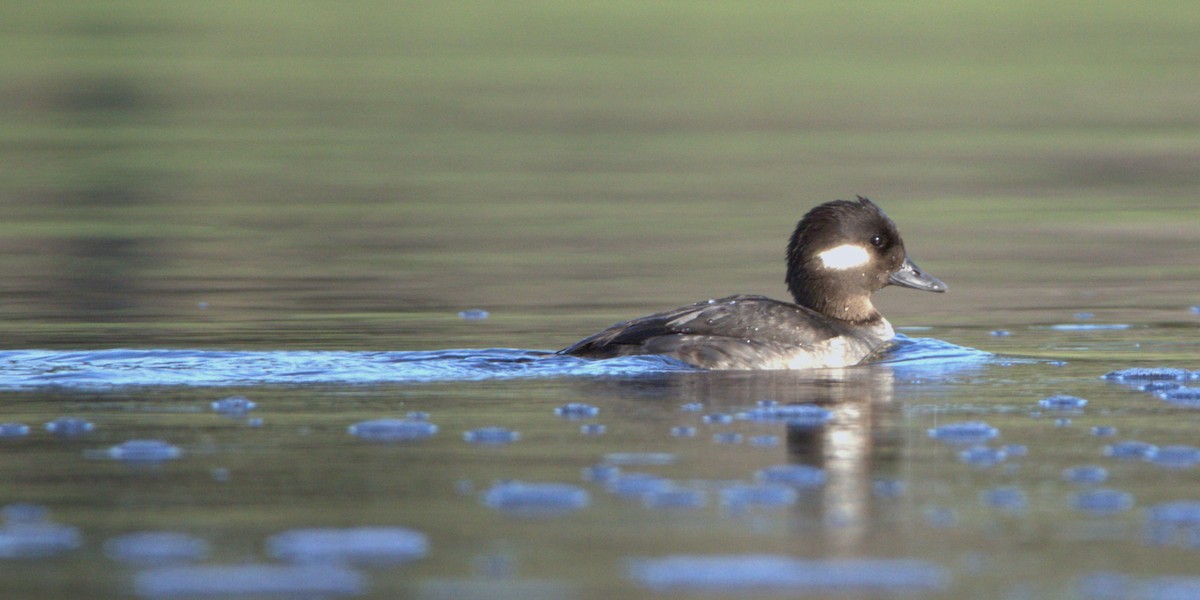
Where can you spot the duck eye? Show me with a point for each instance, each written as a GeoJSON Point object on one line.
{"type": "Point", "coordinates": [877, 241]}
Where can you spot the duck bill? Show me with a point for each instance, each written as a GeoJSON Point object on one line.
{"type": "Point", "coordinates": [911, 276]}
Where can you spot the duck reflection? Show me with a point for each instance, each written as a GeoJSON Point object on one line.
{"type": "Point", "coordinates": [861, 445]}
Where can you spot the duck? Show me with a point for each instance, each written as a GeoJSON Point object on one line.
{"type": "Point", "coordinates": [839, 255]}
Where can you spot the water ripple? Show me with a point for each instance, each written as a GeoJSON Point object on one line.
{"type": "Point", "coordinates": [151, 367]}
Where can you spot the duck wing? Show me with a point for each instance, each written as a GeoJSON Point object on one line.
{"type": "Point", "coordinates": [733, 332]}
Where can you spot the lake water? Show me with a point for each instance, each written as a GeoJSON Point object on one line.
{"type": "Point", "coordinates": [278, 287]}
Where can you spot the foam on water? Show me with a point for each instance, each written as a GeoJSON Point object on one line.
{"type": "Point", "coordinates": [1085, 475]}
{"type": "Point", "coordinates": [745, 496]}
{"type": "Point", "coordinates": [795, 415]}
{"type": "Point", "coordinates": [534, 499]}
{"type": "Point", "coordinates": [286, 581]}
{"type": "Point", "coordinates": [147, 548]}
{"type": "Point", "coordinates": [1063, 403]}
{"type": "Point", "coordinates": [491, 436]}
{"type": "Point", "coordinates": [234, 405]}
{"type": "Point", "coordinates": [125, 367]}
{"type": "Point", "coordinates": [1006, 498]}
{"type": "Point", "coordinates": [1173, 523]}
{"type": "Point", "coordinates": [139, 452]}
{"type": "Point", "coordinates": [365, 545]}
{"type": "Point", "coordinates": [797, 476]}
{"type": "Point", "coordinates": [769, 572]}
{"type": "Point", "coordinates": [967, 432]}
{"type": "Point", "coordinates": [393, 430]}
{"type": "Point", "coordinates": [1131, 449]}
{"type": "Point", "coordinates": [634, 485]}
{"type": "Point", "coordinates": [68, 427]}
{"type": "Point", "coordinates": [1175, 457]}
{"type": "Point", "coordinates": [1102, 501]}
{"type": "Point", "coordinates": [577, 410]}
{"type": "Point", "coordinates": [983, 456]}
{"type": "Point", "coordinates": [675, 498]}
{"type": "Point", "coordinates": [28, 532]}
{"type": "Point", "coordinates": [13, 430]}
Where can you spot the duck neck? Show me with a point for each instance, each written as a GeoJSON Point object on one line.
{"type": "Point", "coordinates": [856, 309]}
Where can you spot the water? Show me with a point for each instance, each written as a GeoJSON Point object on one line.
{"type": "Point", "coordinates": [261, 279]}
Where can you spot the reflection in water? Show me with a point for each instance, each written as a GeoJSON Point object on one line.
{"type": "Point", "coordinates": [102, 266]}
{"type": "Point", "coordinates": [862, 443]}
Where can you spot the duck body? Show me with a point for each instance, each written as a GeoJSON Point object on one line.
{"type": "Point", "coordinates": [840, 253]}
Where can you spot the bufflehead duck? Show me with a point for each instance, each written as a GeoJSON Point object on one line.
{"type": "Point", "coordinates": [841, 253]}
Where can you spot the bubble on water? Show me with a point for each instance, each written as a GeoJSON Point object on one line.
{"type": "Point", "coordinates": [1159, 386]}
{"type": "Point", "coordinates": [592, 429]}
{"type": "Point", "coordinates": [234, 405]}
{"type": "Point", "coordinates": [743, 496]}
{"type": "Point", "coordinates": [576, 410]}
{"type": "Point", "coordinates": [967, 432]}
{"type": "Point", "coordinates": [675, 498]}
{"type": "Point", "coordinates": [1062, 422]}
{"type": "Point", "coordinates": [757, 573]}
{"type": "Point", "coordinates": [692, 407]}
{"type": "Point", "coordinates": [491, 436]}
{"type": "Point", "coordinates": [1104, 431]}
{"type": "Point", "coordinates": [29, 533]}
{"type": "Point", "coordinates": [940, 517]}
{"type": "Point", "coordinates": [1091, 327]}
{"type": "Point", "coordinates": [1187, 397]}
{"type": "Point", "coordinates": [1063, 402]}
{"type": "Point", "coordinates": [1105, 586]}
{"type": "Point", "coordinates": [156, 548]}
{"type": "Point", "coordinates": [21, 512]}
{"type": "Point", "coordinates": [1143, 374]}
{"type": "Point", "coordinates": [359, 545]}
{"type": "Point", "coordinates": [393, 430]}
{"type": "Point", "coordinates": [140, 451]}
{"type": "Point", "coordinates": [766, 403]}
{"type": "Point", "coordinates": [717, 419]}
{"type": "Point", "coordinates": [536, 499]}
{"type": "Point", "coordinates": [13, 430]}
{"type": "Point", "coordinates": [601, 472]}
{"type": "Point", "coordinates": [888, 488]}
{"type": "Point", "coordinates": [796, 476]}
{"type": "Point", "coordinates": [1131, 449]}
{"type": "Point", "coordinates": [1175, 457]}
{"type": "Point", "coordinates": [1000, 333]}
{"type": "Point", "coordinates": [1085, 315]}
{"type": "Point", "coordinates": [683, 431]}
{"type": "Point", "coordinates": [1173, 523]}
{"type": "Point", "coordinates": [1102, 501]}
{"type": "Point", "coordinates": [416, 415]}
{"type": "Point", "coordinates": [308, 581]}
{"type": "Point", "coordinates": [69, 427]}
{"type": "Point", "coordinates": [983, 456]}
{"type": "Point", "coordinates": [633, 459]}
{"type": "Point", "coordinates": [727, 437]}
{"type": "Point", "coordinates": [763, 441]}
{"type": "Point", "coordinates": [1086, 475]}
{"type": "Point", "coordinates": [1010, 499]}
{"type": "Point", "coordinates": [794, 415]}
{"type": "Point", "coordinates": [473, 314]}
{"type": "Point", "coordinates": [633, 485]}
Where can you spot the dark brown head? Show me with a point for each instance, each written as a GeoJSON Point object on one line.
{"type": "Point", "coordinates": [844, 251]}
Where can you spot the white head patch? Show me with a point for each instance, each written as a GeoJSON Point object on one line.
{"type": "Point", "coordinates": [846, 256]}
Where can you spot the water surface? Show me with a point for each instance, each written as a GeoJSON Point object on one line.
{"type": "Point", "coordinates": [245, 247]}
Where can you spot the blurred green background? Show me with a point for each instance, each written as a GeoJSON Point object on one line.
{"type": "Point", "coordinates": [312, 174]}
